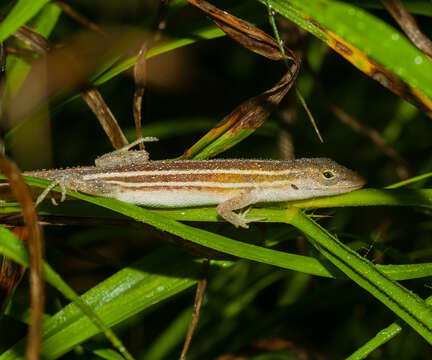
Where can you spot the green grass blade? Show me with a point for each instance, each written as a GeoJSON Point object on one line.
{"type": "Point", "coordinates": [381, 338]}
{"type": "Point", "coordinates": [17, 69]}
{"type": "Point", "coordinates": [22, 12]}
{"type": "Point", "coordinates": [121, 296]}
{"type": "Point", "coordinates": [222, 143]}
{"type": "Point", "coordinates": [253, 252]}
{"type": "Point", "coordinates": [409, 181]}
{"type": "Point", "coordinates": [372, 197]}
{"type": "Point", "coordinates": [107, 354]}
{"type": "Point", "coordinates": [272, 257]}
{"type": "Point", "coordinates": [407, 305]}
{"type": "Point", "coordinates": [203, 30]}
{"type": "Point", "coordinates": [295, 262]}
{"type": "Point", "coordinates": [160, 219]}
{"type": "Point", "coordinates": [172, 337]}
{"type": "Point", "coordinates": [15, 249]}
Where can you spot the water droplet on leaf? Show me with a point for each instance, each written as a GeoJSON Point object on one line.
{"type": "Point", "coordinates": [418, 60]}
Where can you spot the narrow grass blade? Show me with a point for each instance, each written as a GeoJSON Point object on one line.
{"type": "Point", "coordinates": [15, 249]}
{"type": "Point", "coordinates": [17, 69]}
{"type": "Point", "coordinates": [407, 305]}
{"type": "Point", "coordinates": [381, 338]}
{"type": "Point", "coordinates": [22, 12]}
{"type": "Point", "coordinates": [160, 219]}
{"type": "Point", "coordinates": [121, 296]}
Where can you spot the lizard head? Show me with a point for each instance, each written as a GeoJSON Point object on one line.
{"type": "Point", "coordinates": [326, 177]}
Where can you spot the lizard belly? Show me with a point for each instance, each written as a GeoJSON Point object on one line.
{"type": "Point", "coordinates": [286, 193]}
{"type": "Point", "coordinates": [174, 197]}
{"type": "Point", "coordinates": [197, 196]}
{"type": "Point", "coordinates": [293, 192]}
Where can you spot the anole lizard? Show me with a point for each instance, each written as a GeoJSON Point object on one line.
{"type": "Point", "coordinates": [230, 184]}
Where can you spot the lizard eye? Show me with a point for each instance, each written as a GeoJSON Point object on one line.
{"type": "Point", "coordinates": [327, 174]}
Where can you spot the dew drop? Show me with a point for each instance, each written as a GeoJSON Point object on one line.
{"type": "Point", "coordinates": [395, 36]}
{"type": "Point", "coordinates": [418, 60]}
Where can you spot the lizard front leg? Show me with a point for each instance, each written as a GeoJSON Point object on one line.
{"type": "Point", "coordinates": [226, 209]}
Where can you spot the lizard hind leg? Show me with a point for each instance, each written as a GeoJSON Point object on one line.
{"type": "Point", "coordinates": [226, 209]}
{"type": "Point", "coordinates": [125, 156]}
{"type": "Point", "coordinates": [138, 141]}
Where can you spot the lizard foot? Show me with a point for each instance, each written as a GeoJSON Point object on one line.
{"type": "Point", "coordinates": [240, 220]}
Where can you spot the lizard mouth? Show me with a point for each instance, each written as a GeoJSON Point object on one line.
{"type": "Point", "coordinates": [351, 187]}
{"type": "Point", "coordinates": [356, 184]}
{"type": "Point", "coordinates": [348, 187]}
{"type": "Point", "coordinates": [341, 189]}
{"type": "Point", "coordinates": [360, 182]}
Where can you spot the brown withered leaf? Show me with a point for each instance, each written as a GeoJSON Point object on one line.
{"type": "Point", "coordinates": [33, 39]}
{"type": "Point", "coordinates": [140, 67]}
{"type": "Point", "coordinates": [77, 16]}
{"type": "Point", "coordinates": [106, 118]}
{"type": "Point", "coordinates": [11, 273]}
{"type": "Point", "coordinates": [21, 192]}
{"type": "Point", "coordinates": [249, 115]}
{"type": "Point", "coordinates": [199, 297]}
{"type": "Point", "coordinates": [140, 77]}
